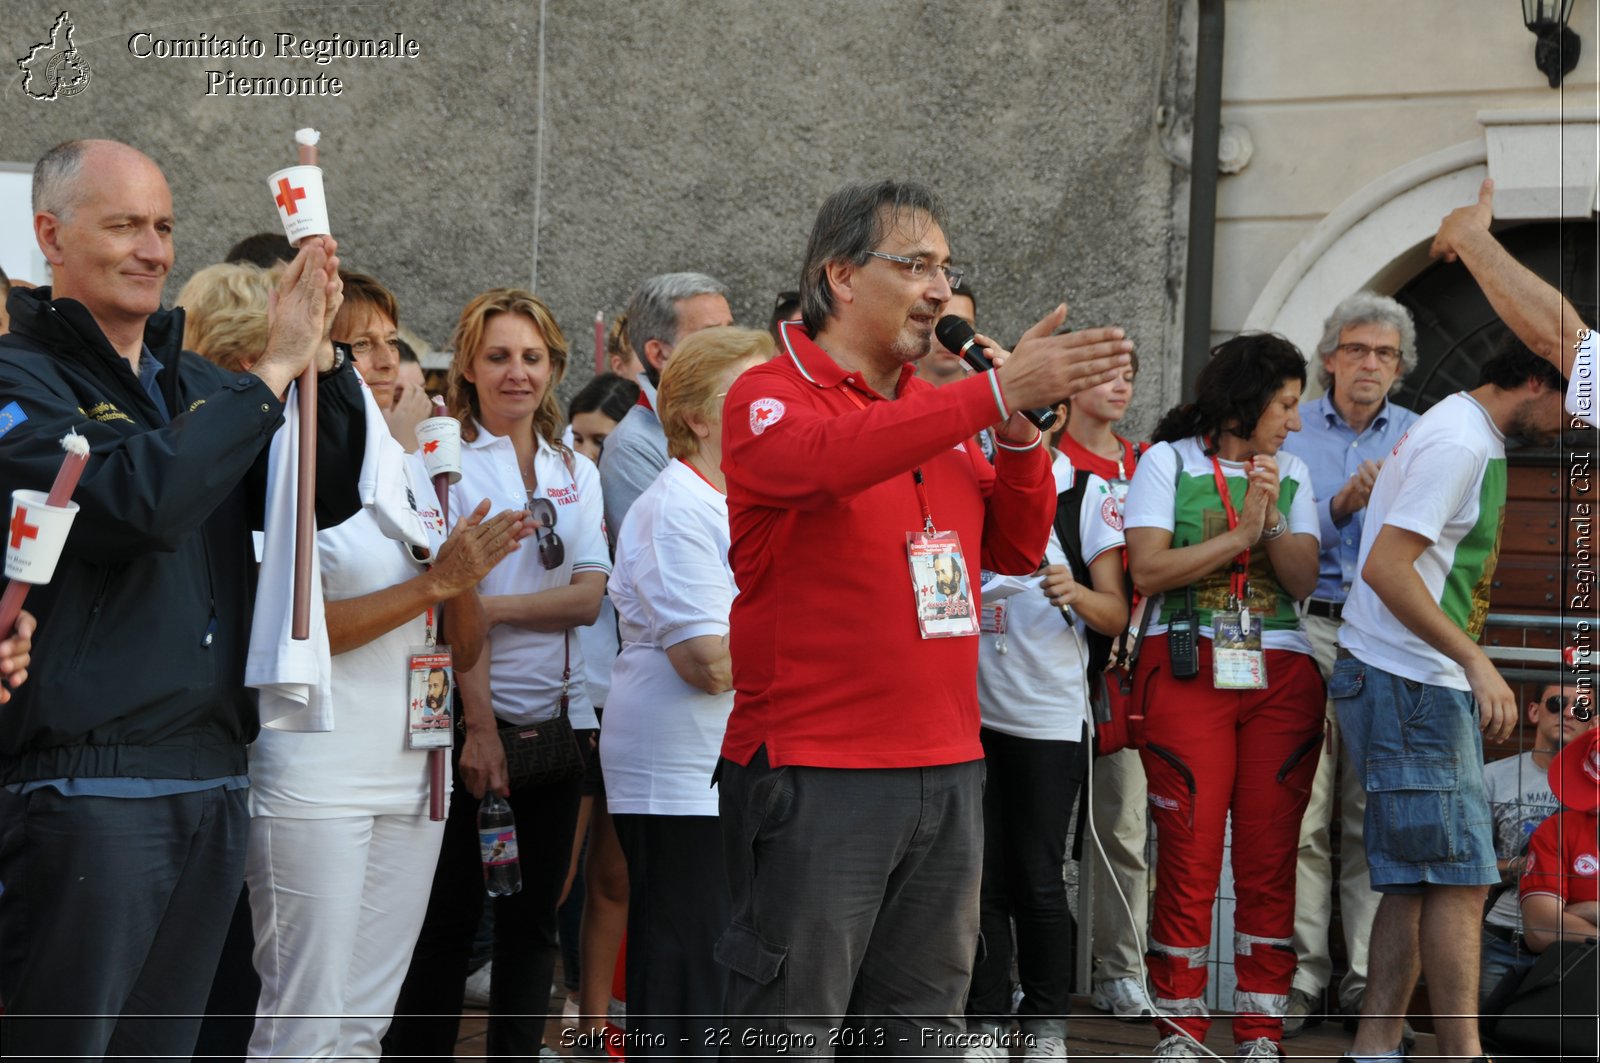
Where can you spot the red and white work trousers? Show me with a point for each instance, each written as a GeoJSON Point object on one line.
{"type": "Point", "coordinates": [1207, 753]}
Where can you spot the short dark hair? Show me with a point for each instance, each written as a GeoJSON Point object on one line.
{"type": "Point", "coordinates": [1513, 365]}
{"type": "Point", "coordinates": [850, 223]}
{"type": "Point", "coordinates": [264, 249]}
{"type": "Point", "coordinates": [607, 394]}
{"type": "Point", "coordinates": [1234, 387]}
{"type": "Point", "coordinates": [407, 352]}
{"type": "Point", "coordinates": [782, 307]}
{"type": "Point", "coordinates": [364, 293]}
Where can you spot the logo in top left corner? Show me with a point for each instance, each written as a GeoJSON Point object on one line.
{"type": "Point", "coordinates": [55, 68]}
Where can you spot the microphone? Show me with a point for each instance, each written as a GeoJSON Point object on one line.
{"type": "Point", "coordinates": [957, 336]}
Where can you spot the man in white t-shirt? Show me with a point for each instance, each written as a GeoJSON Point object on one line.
{"type": "Point", "coordinates": [1520, 799]}
{"type": "Point", "coordinates": [1531, 307]}
{"type": "Point", "coordinates": [1405, 684]}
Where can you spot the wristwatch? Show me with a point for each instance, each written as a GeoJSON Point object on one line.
{"type": "Point", "coordinates": [342, 353]}
{"type": "Point", "coordinates": [1276, 530]}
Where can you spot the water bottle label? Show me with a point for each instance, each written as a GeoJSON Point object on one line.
{"type": "Point", "coordinates": [499, 846]}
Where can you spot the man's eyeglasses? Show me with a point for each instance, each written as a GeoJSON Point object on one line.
{"type": "Point", "coordinates": [1556, 704]}
{"type": "Point", "coordinates": [1358, 352]}
{"type": "Point", "coordinates": [919, 267]}
{"type": "Point", "coordinates": [551, 550]}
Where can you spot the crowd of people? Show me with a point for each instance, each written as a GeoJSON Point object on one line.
{"type": "Point", "coordinates": [843, 631]}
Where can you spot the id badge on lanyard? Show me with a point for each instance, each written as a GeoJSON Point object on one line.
{"type": "Point", "coordinates": [430, 682]}
{"type": "Point", "coordinates": [1238, 660]}
{"type": "Point", "coordinates": [941, 590]}
{"type": "Point", "coordinates": [940, 586]}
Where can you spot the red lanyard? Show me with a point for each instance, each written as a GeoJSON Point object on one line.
{"type": "Point", "coordinates": [644, 400]}
{"type": "Point", "coordinates": [916, 474]}
{"type": "Point", "coordinates": [1238, 572]}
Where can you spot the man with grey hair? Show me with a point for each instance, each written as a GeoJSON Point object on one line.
{"type": "Point", "coordinates": [123, 789]}
{"type": "Point", "coordinates": [664, 310]}
{"type": "Point", "coordinates": [1368, 345]}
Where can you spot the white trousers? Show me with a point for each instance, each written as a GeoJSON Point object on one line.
{"type": "Point", "coordinates": [337, 905]}
{"type": "Point", "coordinates": [1313, 900]}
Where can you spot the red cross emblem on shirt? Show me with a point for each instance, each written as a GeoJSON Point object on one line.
{"type": "Point", "coordinates": [287, 195]}
{"type": "Point", "coordinates": [21, 529]}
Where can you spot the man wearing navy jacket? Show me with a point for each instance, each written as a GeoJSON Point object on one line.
{"type": "Point", "coordinates": [122, 762]}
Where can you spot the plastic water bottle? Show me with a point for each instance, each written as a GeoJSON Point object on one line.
{"type": "Point", "coordinates": [497, 840]}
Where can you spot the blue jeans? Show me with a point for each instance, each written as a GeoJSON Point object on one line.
{"type": "Point", "coordinates": [1500, 959]}
{"type": "Point", "coordinates": [113, 917]}
{"type": "Point", "coordinates": [1420, 756]}
{"type": "Point", "coordinates": [855, 907]}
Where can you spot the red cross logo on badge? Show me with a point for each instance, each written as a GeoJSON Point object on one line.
{"type": "Point", "coordinates": [764, 413]}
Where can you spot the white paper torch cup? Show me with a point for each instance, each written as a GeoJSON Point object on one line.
{"type": "Point", "coordinates": [36, 535]}
{"type": "Point", "coordinates": [297, 191]}
{"type": "Point", "coordinates": [439, 439]}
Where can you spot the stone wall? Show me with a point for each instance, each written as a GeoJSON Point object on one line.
{"type": "Point", "coordinates": [674, 135]}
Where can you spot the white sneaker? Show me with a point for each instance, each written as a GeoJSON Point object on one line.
{"type": "Point", "coordinates": [1046, 1048]}
{"type": "Point", "coordinates": [1261, 1050]}
{"type": "Point", "coordinates": [1124, 998]}
{"type": "Point", "coordinates": [986, 1048]}
{"type": "Point", "coordinates": [477, 993]}
{"type": "Point", "coordinates": [1177, 1046]}
{"type": "Point", "coordinates": [569, 1013]}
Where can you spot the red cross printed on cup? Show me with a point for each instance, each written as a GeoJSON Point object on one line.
{"type": "Point", "coordinates": [288, 195]}
{"type": "Point", "coordinates": [21, 529]}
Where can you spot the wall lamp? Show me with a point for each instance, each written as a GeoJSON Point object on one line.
{"type": "Point", "coordinates": [1556, 53]}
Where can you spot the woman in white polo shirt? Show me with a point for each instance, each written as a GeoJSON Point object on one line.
{"type": "Point", "coordinates": [1033, 694]}
{"type": "Point", "coordinates": [509, 358]}
{"type": "Point", "coordinates": [671, 693]}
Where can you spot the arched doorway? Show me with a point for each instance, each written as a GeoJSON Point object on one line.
{"type": "Point", "coordinates": [1457, 330]}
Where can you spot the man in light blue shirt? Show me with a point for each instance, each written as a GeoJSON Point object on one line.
{"type": "Point", "coordinates": [1368, 345]}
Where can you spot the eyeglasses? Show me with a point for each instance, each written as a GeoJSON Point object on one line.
{"type": "Point", "coordinates": [1358, 352]}
{"type": "Point", "coordinates": [1556, 704]}
{"type": "Point", "coordinates": [551, 550]}
{"type": "Point", "coordinates": [919, 267]}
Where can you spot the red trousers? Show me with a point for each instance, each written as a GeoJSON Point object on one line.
{"type": "Point", "coordinates": [1207, 753]}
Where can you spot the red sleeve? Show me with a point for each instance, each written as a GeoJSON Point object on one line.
{"type": "Point", "coordinates": [783, 446]}
{"type": "Point", "coordinates": [1019, 508]}
{"type": "Point", "coordinates": [1544, 872]}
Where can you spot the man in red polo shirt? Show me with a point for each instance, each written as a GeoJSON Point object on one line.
{"type": "Point", "coordinates": [861, 512]}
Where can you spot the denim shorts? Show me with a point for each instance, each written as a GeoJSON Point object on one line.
{"type": "Point", "coordinates": [1420, 756]}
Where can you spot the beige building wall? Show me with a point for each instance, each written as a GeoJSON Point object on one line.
{"type": "Point", "coordinates": [1337, 98]}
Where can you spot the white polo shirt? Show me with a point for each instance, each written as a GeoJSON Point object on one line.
{"type": "Point", "coordinates": [662, 736]}
{"type": "Point", "coordinates": [525, 666]}
{"type": "Point", "coordinates": [1030, 661]}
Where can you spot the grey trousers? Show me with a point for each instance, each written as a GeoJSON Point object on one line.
{"type": "Point", "coordinates": [112, 919]}
{"type": "Point", "coordinates": [855, 908]}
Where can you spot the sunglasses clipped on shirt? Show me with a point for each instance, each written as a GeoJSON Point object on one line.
{"type": "Point", "coordinates": [551, 550]}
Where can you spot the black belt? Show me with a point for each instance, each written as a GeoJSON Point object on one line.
{"type": "Point", "coordinates": [1318, 607]}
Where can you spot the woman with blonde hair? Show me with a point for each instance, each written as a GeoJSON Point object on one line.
{"type": "Point", "coordinates": [509, 358]}
{"type": "Point", "coordinates": [225, 312]}
{"type": "Point", "coordinates": [671, 693]}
